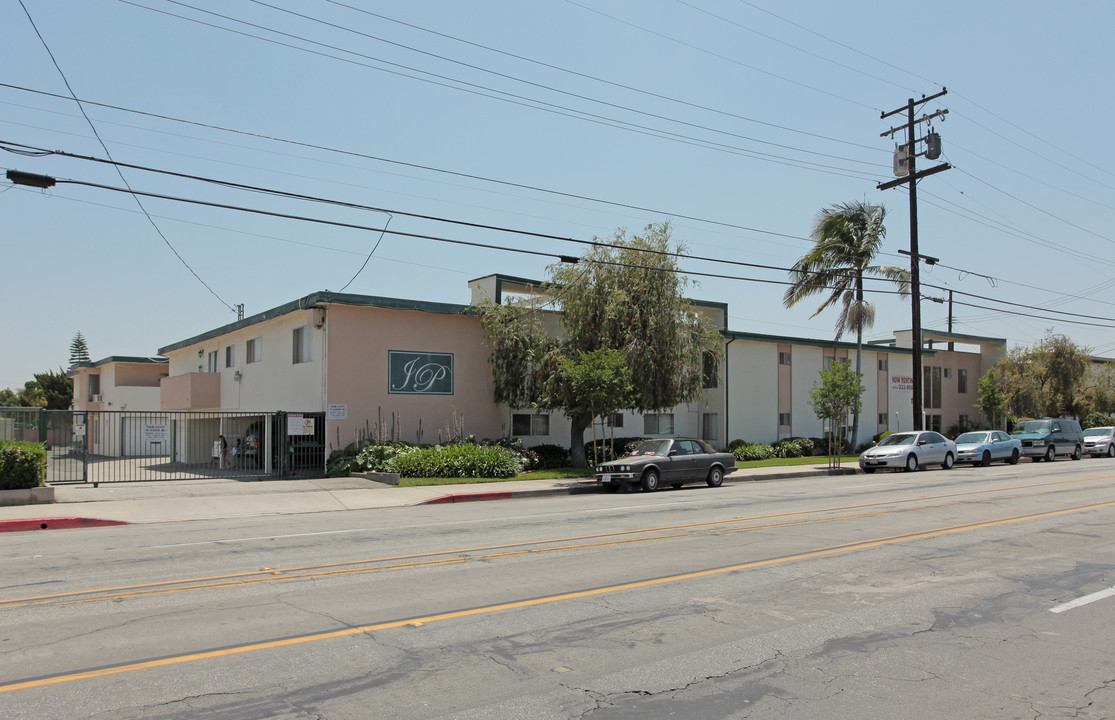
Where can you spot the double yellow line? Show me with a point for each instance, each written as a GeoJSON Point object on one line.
{"type": "Point", "coordinates": [428, 619]}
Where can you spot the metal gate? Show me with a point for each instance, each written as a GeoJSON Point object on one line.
{"type": "Point", "coordinates": [98, 446]}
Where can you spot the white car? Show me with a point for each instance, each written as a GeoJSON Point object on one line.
{"type": "Point", "coordinates": [909, 451]}
{"type": "Point", "coordinates": [1099, 441]}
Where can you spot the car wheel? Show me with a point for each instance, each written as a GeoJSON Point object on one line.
{"type": "Point", "coordinates": [1051, 454]}
{"type": "Point", "coordinates": [986, 459]}
{"type": "Point", "coordinates": [715, 477]}
{"type": "Point", "coordinates": [947, 464]}
{"type": "Point", "coordinates": [1111, 450]}
{"type": "Point", "coordinates": [911, 462]}
{"type": "Point", "coordinates": [1076, 453]}
{"type": "Point", "coordinates": [1013, 457]}
{"type": "Point", "coordinates": [650, 481]}
{"type": "Point", "coordinates": [869, 470]}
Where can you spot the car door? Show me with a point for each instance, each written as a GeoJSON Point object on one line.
{"type": "Point", "coordinates": [933, 451]}
{"type": "Point", "coordinates": [686, 460]}
{"type": "Point", "coordinates": [1000, 446]}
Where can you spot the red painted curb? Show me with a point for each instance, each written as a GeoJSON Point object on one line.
{"type": "Point", "coordinates": [469, 497]}
{"type": "Point", "coordinates": [55, 523]}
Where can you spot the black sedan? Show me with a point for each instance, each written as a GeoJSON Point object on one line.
{"type": "Point", "coordinates": [672, 462]}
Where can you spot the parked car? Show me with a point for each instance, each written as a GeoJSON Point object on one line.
{"type": "Point", "coordinates": [909, 451]}
{"type": "Point", "coordinates": [983, 447]}
{"type": "Point", "coordinates": [1100, 441]}
{"type": "Point", "coordinates": [673, 462]}
{"type": "Point", "coordinates": [1047, 438]}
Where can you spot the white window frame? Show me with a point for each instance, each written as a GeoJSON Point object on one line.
{"type": "Point", "coordinates": [230, 356]}
{"type": "Point", "coordinates": [302, 344]}
{"type": "Point", "coordinates": [658, 424]}
{"type": "Point", "coordinates": [253, 351]}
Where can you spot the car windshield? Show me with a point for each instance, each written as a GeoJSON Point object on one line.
{"type": "Point", "coordinates": [972, 437]}
{"type": "Point", "coordinates": [1031, 426]}
{"type": "Point", "coordinates": [651, 447]}
{"type": "Point", "coordinates": [1098, 431]}
{"type": "Point", "coordinates": [897, 439]}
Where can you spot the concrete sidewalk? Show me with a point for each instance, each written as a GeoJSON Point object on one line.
{"type": "Point", "coordinates": [178, 500]}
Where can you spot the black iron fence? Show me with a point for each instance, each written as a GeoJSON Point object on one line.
{"type": "Point", "coordinates": [98, 446]}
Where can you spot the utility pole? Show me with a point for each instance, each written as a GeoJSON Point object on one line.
{"type": "Point", "coordinates": [905, 166]}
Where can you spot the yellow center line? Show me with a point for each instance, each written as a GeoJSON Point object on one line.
{"type": "Point", "coordinates": [261, 576]}
{"type": "Point", "coordinates": [457, 614]}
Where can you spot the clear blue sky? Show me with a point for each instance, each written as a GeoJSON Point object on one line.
{"type": "Point", "coordinates": [738, 119]}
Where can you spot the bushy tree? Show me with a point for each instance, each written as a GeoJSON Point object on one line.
{"type": "Point", "coordinates": [838, 393]}
{"type": "Point", "coordinates": [991, 401]}
{"type": "Point", "coordinates": [625, 297]}
{"type": "Point", "coordinates": [1045, 379]}
{"type": "Point", "coordinates": [57, 389]}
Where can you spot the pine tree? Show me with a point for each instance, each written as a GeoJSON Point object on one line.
{"type": "Point", "coordinates": [79, 351]}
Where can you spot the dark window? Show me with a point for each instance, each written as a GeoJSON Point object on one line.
{"type": "Point", "coordinates": [709, 370]}
{"type": "Point", "coordinates": [961, 381]}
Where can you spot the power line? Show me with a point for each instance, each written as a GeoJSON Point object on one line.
{"type": "Point", "coordinates": [93, 127]}
{"type": "Point", "coordinates": [512, 97]}
{"type": "Point", "coordinates": [415, 166]}
{"type": "Point", "coordinates": [611, 83]}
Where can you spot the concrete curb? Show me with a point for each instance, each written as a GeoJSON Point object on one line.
{"type": "Point", "coordinates": [56, 523]}
{"type": "Point", "coordinates": [42, 495]}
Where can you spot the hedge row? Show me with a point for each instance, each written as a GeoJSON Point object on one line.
{"type": "Point", "coordinates": [502, 459]}
{"type": "Point", "coordinates": [22, 465]}
{"type": "Point", "coordinates": [789, 448]}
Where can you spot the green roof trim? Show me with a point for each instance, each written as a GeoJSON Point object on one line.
{"type": "Point", "coordinates": [315, 300]}
{"type": "Point", "coordinates": [134, 359]}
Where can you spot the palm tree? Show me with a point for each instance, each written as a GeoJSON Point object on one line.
{"type": "Point", "coordinates": [846, 239]}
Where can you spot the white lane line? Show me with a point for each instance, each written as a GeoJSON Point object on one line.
{"type": "Point", "coordinates": [261, 537]}
{"type": "Point", "coordinates": [1083, 600]}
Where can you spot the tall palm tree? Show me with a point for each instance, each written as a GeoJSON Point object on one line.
{"type": "Point", "coordinates": [846, 239]}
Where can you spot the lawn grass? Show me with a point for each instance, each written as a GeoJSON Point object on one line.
{"type": "Point", "coordinates": [786, 462]}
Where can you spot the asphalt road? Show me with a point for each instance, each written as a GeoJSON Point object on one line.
{"type": "Point", "coordinates": [897, 595]}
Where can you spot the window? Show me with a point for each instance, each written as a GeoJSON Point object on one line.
{"type": "Point", "coordinates": [933, 422]}
{"type": "Point", "coordinates": [94, 386]}
{"type": "Point", "coordinates": [948, 373]}
{"type": "Point", "coordinates": [784, 419]}
{"type": "Point", "coordinates": [710, 426]}
{"type": "Point", "coordinates": [931, 387]}
{"type": "Point", "coordinates": [827, 363]}
{"type": "Point", "coordinates": [303, 344]}
{"type": "Point", "coordinates": [962, 381]}
{"type": "Point", "coordinates": [525, 424]}
{"type": "Point", "coordinates": [658, 424]}
{"type": "Point", "coordinates": [783, 358]}
{"type": "Point", "coordinates": [883, 421]}
{"type": "Point", "coordinates": [254, 351]}
{"type": "Point", "coordinates": [709, 370]}
{"type": "Point", "coordinates": [964, 425]}
{"type": "Point", "coordinates": [230, 356]}
{"type": "Point", "coordinates": [213, 361]}
{"type": "Point", "coordinates": [883, 364]}
{"type": "Point", "coordinates": [615, 420]}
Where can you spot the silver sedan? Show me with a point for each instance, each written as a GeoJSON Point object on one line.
{"type": "Point", "coordinates": [909, 451]}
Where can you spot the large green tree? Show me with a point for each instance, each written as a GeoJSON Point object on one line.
{"type": "Point", "coordinates": [1045, 379]}
{"type": "Point", "coordinates": [625, 296]}
{"type": "Point", "coordinates": [992, 402]}
{"type": "Point", "coordinates": [846, 239]}
{"type": "Point", "coordinates": [57, 389]}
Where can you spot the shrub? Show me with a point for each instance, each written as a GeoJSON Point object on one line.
{"type": "Point", "coordinates": [22, 465]}
{"type": "Point", "coordinates": [459, 460]}
{"type": "Point", "coordinates": [754, 452]}
{"type": "Point", "coordinates": [1097, 419]}
{"type": "Point", "coordinates": [549, 456]}
{"type": "Point", "coordinates": [735, 444]}
{"type": "Point", "coordinates": [342, 462]}
{"type": "Point", "coordinates": [786, 449]}
{"type": "Point", "coordinates": [377, 458]}
{"type": "Point", "coordinates": [806, 445]}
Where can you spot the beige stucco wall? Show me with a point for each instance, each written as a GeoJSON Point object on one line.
{"type": "Point", "coordinates": [359, 339]}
